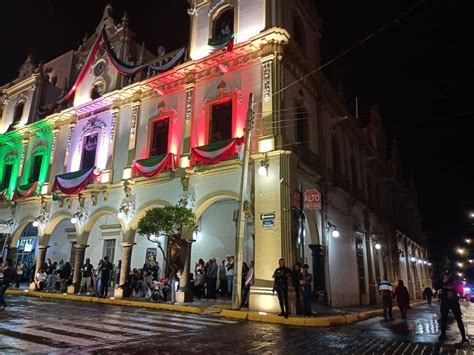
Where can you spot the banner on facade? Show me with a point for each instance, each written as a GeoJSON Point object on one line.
{"type": "Point", "coordinates": [25, 191]}
{"type": "Point", "coordinates": [216, 152]}
{"type": "Point", "coordinates": [155, 165]}
{"type": "Point", "coordinates": [312, 199]}
{"type": "Point", "coordinates": [73, 183]}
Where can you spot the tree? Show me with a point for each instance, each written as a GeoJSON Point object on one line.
{"type": "Point", "coordinates": [172, 222]}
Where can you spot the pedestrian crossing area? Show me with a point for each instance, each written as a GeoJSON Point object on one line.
{"type": "Point", "coordinates": [45, 326]}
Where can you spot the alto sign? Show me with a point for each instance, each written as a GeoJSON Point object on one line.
{"type": "Point", "coordinates": [312, 199]}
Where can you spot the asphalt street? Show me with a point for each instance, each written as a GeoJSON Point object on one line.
{"type": "Point", "coordinates": [35, 325]}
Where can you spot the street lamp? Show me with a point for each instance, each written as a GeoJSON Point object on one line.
{"type": "Point", "coordinates": [460, 264]}
{"type": "Point", "coordinates": [460, 251]}
{"type": "Point", "coordinates": [460, 274]}
{"type": "Point", "coordinates": [378, 246]}
{"type": "Point", "coordinates": [468, 240]}
{"type": "Point", "coordinates": [413, 259]}
{"type": "Point", "coordinates": [73, 220]}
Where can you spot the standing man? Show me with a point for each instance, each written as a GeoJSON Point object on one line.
{"type": "Point", "coordinates": [385, 289]}
{"type": "Point", "coordinates": [450, 302]}
{"type": "Point", "coordinates": [212, 279]}
{"type": "Point", "coordinates": [229, 274]}
{"type": "Point", "coordinates": [8, 277]}
{"type": "Point", "coordinates": [305, 284]}
{"type": "Point", "coordinates": [247, 284]}
{"type": "Point", "coordinates": [281, 275]}
{"type": "Point", "coordinates": [106, 270]}
{"type": "Point", "coordinates": [86, 281]}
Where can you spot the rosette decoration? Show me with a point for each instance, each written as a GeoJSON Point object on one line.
{"type": "Point", "coordinates": [25, 191]}
{"type": "Point", "coordinates": [75, 182]}
{"type": "Point", "coordinates": [153, 166]}
{"type": "Point", "coordinates": [217, 152]}
{"type": "Point", "coordinates": [226, 42]}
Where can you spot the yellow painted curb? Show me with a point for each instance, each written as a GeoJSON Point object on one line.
{"type": "Point", "coordinates": [254, 317]}
{"type": "Point", "coordinates": [119, 302]}
{"type": "Point", "coordinates": [318, 322]}
{"type": "Point", "coordinates": [230, 313]}
{"type": "Point", "coordinates": [351, 318]}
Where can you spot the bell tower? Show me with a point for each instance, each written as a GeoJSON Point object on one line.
{"type": "Point", "coordinates": [216, 22]}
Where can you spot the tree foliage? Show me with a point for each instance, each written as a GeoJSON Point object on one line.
{"type": "Point", "coordinates": [169, 221]}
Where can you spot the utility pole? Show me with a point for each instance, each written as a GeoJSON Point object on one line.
{"type": "Point", "coordinates": [241, 217]}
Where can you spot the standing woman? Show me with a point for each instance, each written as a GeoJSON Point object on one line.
{"type": "Point", "coordinates": [199, 278]}
{"type": "Point", "coordinates": [20, 269]}
{"type": "Point", "coordinates": [403, 298]}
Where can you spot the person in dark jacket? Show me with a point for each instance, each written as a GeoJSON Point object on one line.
{"type": "Point", "coordinates": [281, 276]}
{"type": "Point", "coordinates": [450, 302]}
{"type": "Point", "coordinates": [64, 276]}
{"type": "Point", "coordinates": [428, 294]}
{"type": "Point", "coordinates": [8, 277]}
{"type": "Point", "coordinates": [403, 298]}
{"type": "Point", "coordinates": [106, 270]}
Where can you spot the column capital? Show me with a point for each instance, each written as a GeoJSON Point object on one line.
{"type": "Point", "coordinates": [43, 246]}
{"type": "Point", "coordinates": [127, 244]}
{"type": "Point", "coordinates": [80, 246]}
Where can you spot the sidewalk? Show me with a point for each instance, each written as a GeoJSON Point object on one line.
{"type": "Point", "coordinates": [325, 316]}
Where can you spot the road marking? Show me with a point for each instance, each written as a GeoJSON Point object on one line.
{"type": "Point", "coordinates": [33, 332]}
{"type": "Point", "coordinates": [76, 329]}
{"type": "Point", "coordinates": [197, 317]}
{"type": "Point", "coordinates": [160, 321]}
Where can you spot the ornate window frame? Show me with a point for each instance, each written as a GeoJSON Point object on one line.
{"type": "Point", "coordinates": [93, 125]}
{"type": "Point", "coordinates": [42, 150]}
{"type": "Point", "coordinates": [11, 158]}
{"type": "Point", "coordinates": [223, 95]}
{"type": "Point", "coordinates": [163, 113]}
{"type": "Point", "coordinates": [218, 8]}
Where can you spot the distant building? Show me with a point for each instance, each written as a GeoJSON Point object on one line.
{"type": "Point", "coordinates": [94, 138]}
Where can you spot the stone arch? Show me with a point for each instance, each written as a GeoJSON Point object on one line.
{"type": "Point", "coordinates": [312, 224]}
{"type": "Point", "coordinates": [144, 208]}
{"type": "Point", "coordinates": [21, 226]}
{"type": "Point", "coordinates": [52, 224]}
{"type": "Point", "coordinates": [84, 236]}
{"type": "Point", "coordinates": [211, 198]}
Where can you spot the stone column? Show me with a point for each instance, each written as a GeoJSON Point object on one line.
{"type": "Point", "coordinates": [184, 294]}
{"type": "Point", "coordinates": [11, 253]}
{"type": "Point", "coordinates": [134, 127]}
{"type": "Point", "coordinates": [273, 240]}
{"type": "Point", "coordinates": [127, 248]}
{"type": "Point", "coordinates": [78, 262]}
{"type": "Point", "coordinates": [39, 262]}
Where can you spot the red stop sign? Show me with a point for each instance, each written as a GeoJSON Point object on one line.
{"type": "Point", "coordinates": [312, 199]}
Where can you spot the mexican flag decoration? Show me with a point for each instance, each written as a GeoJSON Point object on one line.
{"type": "Point", "coordinates": [223, 42]}
{"type": "Point", "coordinates": [73, 183]}
{"type": "Point", "coordinates": [153, 166]}
{"type": "Point", "coordinates": [25, 191]}
{"type": "Point", "coordinates": [216, 152]}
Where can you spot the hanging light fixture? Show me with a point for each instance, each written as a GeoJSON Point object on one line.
{"type": "Point", "coordinates": [263, 168]}
{"type": "Point", "coordinates": [378, 246]}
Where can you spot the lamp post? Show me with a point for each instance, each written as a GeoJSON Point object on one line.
{"type": "Point", "coordinates": [241, 219]}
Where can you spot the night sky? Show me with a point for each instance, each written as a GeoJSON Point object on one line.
{"type": "Point", "coordinates": [420, 72]}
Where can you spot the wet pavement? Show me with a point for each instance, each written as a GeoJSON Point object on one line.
{"type": "Point", "coordinates": [32, 325]}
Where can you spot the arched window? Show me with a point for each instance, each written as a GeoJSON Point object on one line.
{"type": "Point", "coordinates": [223, 24]}
{"type": "Point", "coordinates": [18, 114]}
{"type": "Point", "coordinates": [298, 31]}
{"type": "Point", "coordinates": [302, 121]}
{"type": "Point", "coordinates": [336, 163]}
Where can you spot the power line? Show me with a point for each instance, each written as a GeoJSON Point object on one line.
{"type": "Point", "coordinates": [358, 44]}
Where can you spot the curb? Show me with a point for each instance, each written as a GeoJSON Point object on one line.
{"type": "Point", "coordinates": [140, 304]}
{"type": "Point", "coordinates": [327, 321]}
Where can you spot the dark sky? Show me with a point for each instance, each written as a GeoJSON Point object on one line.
{"type": "Point", "coordinates": [420, 72]}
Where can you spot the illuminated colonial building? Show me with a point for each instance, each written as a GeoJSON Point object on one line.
{"type": "Point", "coordinates": [94, 138]}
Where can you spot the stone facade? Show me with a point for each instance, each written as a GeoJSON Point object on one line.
{"type": "Point", "coordinates": [304, 136]}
